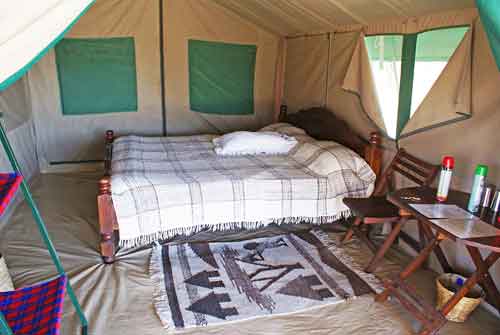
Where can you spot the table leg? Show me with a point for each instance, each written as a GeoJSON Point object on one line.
{"type": "Point", "coordinates": [386, 245]}
{"type": "Point", "coordinates": [485, 279]}
{"type": "Point", "coordinates": [422, 240]}
{"type": "Point", "coordinates": [437, 251]}
{"type": "Point", "coordinates": [412, 267]}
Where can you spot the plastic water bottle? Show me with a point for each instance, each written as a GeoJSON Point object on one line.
{"type": "Point", "coordinates": [445, 178]}
{"type": "Point", "coordinates": [477, 188]}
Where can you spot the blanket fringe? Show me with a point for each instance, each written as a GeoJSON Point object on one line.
{"type": "Point", "coordinates": [229, 226]}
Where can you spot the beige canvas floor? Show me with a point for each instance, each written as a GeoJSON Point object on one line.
{"type": "Point", "coordinates": [117, 299]}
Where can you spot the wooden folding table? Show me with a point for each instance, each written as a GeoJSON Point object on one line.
{"type": "Point", "coordinates": [432, 320]}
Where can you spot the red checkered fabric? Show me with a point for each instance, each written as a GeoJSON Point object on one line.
{"type": "Point", "coordinates": [9, 183]}
{"type": "Point", "coordinates": [35, 310]}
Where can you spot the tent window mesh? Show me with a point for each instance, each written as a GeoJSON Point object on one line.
{"type": "Point", "coordinates": [221, 77]}
{"type": "Point", "coordinates": [97, 75]}
{"type": "Point", "coordinates": [385, 52]}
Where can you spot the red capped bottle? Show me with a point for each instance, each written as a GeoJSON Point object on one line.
{"type": "Point", "coordinates": [445, 178]}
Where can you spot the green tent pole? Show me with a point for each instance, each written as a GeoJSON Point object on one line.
{"type": "Point", "coordinates": [5, 329]}
{"type": "Point", "coordinates": [41, 227]}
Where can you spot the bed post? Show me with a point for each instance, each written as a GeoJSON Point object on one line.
{"type": "Point", "coordinates": [108, 225]}
{"type": "Point", "coordinates": [373, 153]}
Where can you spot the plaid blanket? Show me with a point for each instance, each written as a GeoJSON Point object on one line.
{"type": "Point", "coordinates": [35, 310]}
{"type": "Point", "coordinates": [164, 186]}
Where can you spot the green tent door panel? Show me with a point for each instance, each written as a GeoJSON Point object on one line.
{"type": "Point", "coordinates": [221, 77]}
{"type": "Point", "coordinates": [97, 75]}
{"type": "Point", "coordinates": [489, 11]}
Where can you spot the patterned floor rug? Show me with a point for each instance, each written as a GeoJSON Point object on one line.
{"type": "Point", "coordinates": [199, 284]}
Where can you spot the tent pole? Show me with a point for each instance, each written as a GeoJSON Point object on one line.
{"type": "Point", "coordinates": [41, 225]}
{"type": "Point", "coordinates": [4, 329]}
{"type": "Point", "coordinates": [162, 72]}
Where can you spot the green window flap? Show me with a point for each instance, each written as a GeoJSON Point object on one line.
{"type": "Point", "coordinates": [221, 77]}
{"type": "Point", "coordinates": [439, 44]}
{"type": "Point", "coordinates": [97, 75]}
{"type": "Point", "coordinates": [489, 11]}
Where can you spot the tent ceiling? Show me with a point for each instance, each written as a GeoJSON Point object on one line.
{"type": "Point", "coordinates": [293, 17]}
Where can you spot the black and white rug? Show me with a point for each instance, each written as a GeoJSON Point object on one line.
{"type": "Point", "coordinates": [199, 284]}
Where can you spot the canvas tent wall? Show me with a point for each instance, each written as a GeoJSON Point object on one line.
{"type": "Point", "coordinates": [314, 40]}
{"type": "Point", "coordinates": [15, 107]}
{"type": "Point", "coordinates": [315, 72]}
{"type": "Point", "coordinates": [63, 138]}
{"type": "Point", "coordinates": [470, 147]}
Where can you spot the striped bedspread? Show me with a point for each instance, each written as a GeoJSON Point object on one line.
{"type": "Point", "coordinates": [164, 186]}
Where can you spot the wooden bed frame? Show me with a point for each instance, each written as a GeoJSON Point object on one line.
{"type": "Point", "coordinates": [108, 224]}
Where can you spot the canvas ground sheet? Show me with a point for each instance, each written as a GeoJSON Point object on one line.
{"type": "Point", "coordinates": [166, 186]}
{"type": "Point", "coordinates": [117, 298]}
{"type": "Point", "coordinates": [204, 283]}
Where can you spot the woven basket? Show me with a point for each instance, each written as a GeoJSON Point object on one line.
{"type": "Point", "coordinates": [465, 306]}
{"type": "Point", "coordinates": [5, 280]}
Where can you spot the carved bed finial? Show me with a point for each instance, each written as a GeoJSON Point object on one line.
{"type": "Point", "coordinates": [105, 185]}
{"type": "Point", "coordinates": [109, 135]}
{"type": "Point", "coordinates": [375, 138]}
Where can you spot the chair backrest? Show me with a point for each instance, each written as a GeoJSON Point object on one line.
{"type": "Point", "coordinates": [408, 166]}
{"type": "Point", "coordinates": [36, 309]}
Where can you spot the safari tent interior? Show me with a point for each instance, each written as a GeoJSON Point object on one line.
{"type": "Point", "coordinates": [231, 166]}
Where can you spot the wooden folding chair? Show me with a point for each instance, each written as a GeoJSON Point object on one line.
{"type": "Point", "coordinates": [377, 209]}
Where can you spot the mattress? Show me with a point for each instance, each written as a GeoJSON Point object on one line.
{"type": "Point", "coordinates": [167, 186]}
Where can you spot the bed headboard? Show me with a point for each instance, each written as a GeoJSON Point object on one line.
{"type": "Point", "coordinates": [322, 124]}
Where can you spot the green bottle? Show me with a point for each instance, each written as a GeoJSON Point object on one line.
{"type": "Point", "coordinates": [477, 188]}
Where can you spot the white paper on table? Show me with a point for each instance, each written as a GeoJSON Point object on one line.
{"type": "Point", "coordinates": [467, 228]}
{"type": "Point", "coordinates": [442, 211]}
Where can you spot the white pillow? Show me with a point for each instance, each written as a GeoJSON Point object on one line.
{"type": "Point", "coordinates": [253, 143]}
